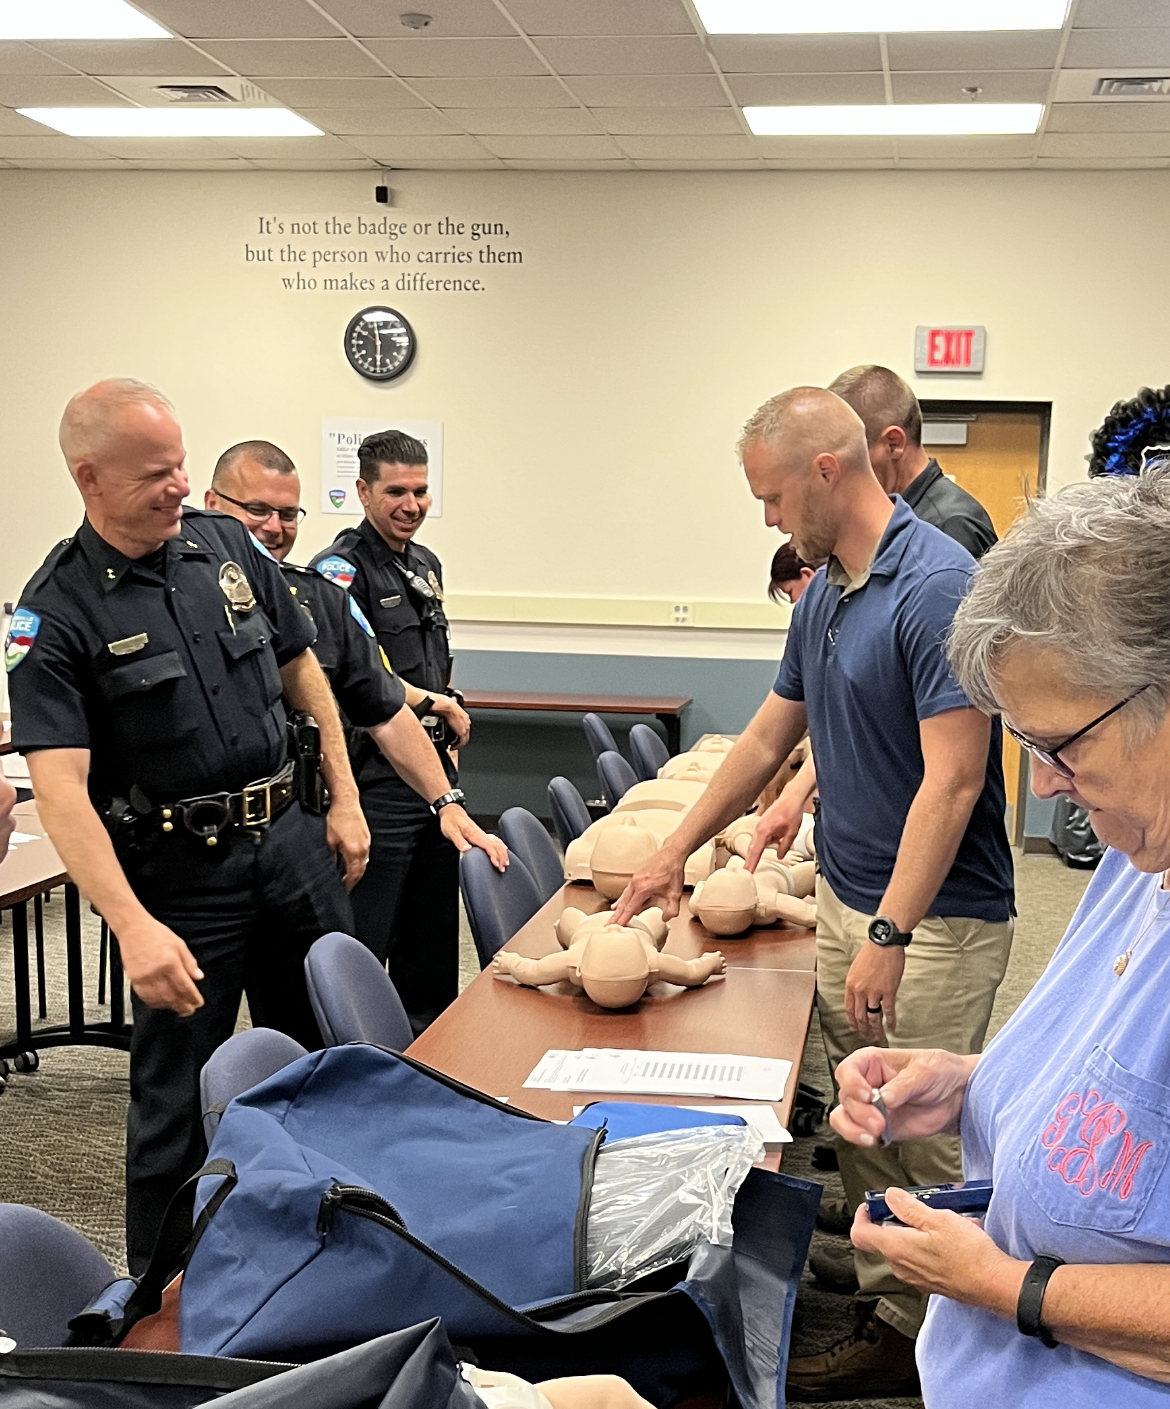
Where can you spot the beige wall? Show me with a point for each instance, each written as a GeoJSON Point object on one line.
{"type": "Point", "coordinates": [591, 397]}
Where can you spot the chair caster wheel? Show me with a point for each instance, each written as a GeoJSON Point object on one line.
{"type": "Point", "coordinates": [27, 1061]}
{"type": "Point", "coordinates": [4, 1068]}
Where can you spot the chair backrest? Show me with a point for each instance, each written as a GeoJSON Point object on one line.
{"type": "Point", "coordinates": [598, 733]}
{"type": "Point", "coordinates": [615, 776]}
{"type": "Point", "coordinates": [353, 997]}
{"type": "Point", "coordinates": [48, 1273]}
{"type": "Point", "coordinates": [243, 1061]}
{"type": "Point", "coordinates": [498, 903]}
{"type": "Point", "coordinates": [525, 836]}
{"type": "Point", "coordinates": [648, 752]}
{"type": "Point", "coordinates": [569, 814]}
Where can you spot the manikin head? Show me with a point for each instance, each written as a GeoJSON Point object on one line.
{"type": "Point", "coordinates": [258, 484]}
{"type": "Point", "coordinates": [392, 485]}
{"type": "Point", "coordinates": [805, 458]}
{"type": "Point", "coordinates": [125, 452]}
{"type": "Point", "coordinates": [892, 417]}
{"type": "Point", "coordinates": [790, 575]}
{"type": "Point", "coordinates": [614, 967]}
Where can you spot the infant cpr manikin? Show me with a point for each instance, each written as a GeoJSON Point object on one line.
{"type": "Point", "coordinates": [732, 901]}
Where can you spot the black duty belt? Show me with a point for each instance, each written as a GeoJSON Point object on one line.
{"type": "Point", "coordinates": [250, 810]}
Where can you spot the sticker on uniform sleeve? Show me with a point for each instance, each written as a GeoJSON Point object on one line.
{"type": "Point", "coordinates": [359, 616]}
{"type": "Point", "coordinates": [337, 570]}
{"type": "Point", "coordinates": [22, 632]}
{"type": "Point", "coordinates": [236, 587]}
{"type": "Point", "coordinates": [385, 660]}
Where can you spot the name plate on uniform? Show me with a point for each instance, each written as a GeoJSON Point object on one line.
{"type": "Point", "coordinates": [391, 601]}
{"type": "Point", "coordinates": [128, 646]}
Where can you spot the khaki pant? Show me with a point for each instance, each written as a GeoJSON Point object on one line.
{"type": "Point", "coordinates": [953, 968]}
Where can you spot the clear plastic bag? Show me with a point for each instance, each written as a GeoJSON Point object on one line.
{"type": "Point", "coordinates": [657, 1197]}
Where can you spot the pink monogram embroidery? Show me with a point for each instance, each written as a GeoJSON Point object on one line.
{"type": "Point", "coordinates": [1082, 1136]}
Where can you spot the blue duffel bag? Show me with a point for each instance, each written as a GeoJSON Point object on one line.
{"type": "Point", "coordinates": [357, 1191]}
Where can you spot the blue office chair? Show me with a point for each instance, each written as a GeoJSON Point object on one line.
{"type": "Point", "coordinates": [353, 997]}
{"type": "Point", "coordinates": [525, 836]}
{"type": "Point", "coordinates": [648, 752]}
{"type": "Point", "coordinates": [615, 776]}
{"type": "Point", "coordinates": [497, 903]}
{"type": "Point", "coordinates": [598, 733]}
{"type": "Point", "coordinates": [569, 814]}
{"type": "Point", "coordinates": [48, 1273]}
{"type": "Point", "coordinates": [243, 1061]}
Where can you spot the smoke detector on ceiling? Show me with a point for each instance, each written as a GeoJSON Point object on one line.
{"type": "Point", "coordinates": [414, 20]}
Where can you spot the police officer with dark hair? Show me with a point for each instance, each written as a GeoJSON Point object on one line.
{"type": "Point", "coordinates": [147, 660]}
{"type": "Point", "coordinates": [265, 496]}
{"type": "Point", "coordinates": [407, 906]}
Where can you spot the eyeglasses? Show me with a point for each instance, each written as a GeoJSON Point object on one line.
{"type": "Point", "coordinates": [260, 512]}
{"type": "Point", "coordinates": [1052, 757]}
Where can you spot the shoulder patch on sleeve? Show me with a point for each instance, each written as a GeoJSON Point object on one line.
{"type": "Point", "coordinates": [337, 570]}
{"type": "Point", "coordinates": [359, 616]}
{"type": "Point", "coordinates": [22, 632]}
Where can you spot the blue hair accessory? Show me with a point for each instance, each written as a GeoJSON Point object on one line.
{"type": "Point", "coordinates": [1129, 431]}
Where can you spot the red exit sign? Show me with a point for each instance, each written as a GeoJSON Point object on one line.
{"type": "Point", "coordinates": [949, 349]}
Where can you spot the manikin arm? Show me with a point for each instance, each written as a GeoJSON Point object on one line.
{"type": "Point", "coordinates": [691, 973]}
{"type": "Point", "coordinates": [532, 972]}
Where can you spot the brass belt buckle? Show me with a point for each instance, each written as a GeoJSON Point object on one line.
{"type": "Point", "coordinates": [256, 805]}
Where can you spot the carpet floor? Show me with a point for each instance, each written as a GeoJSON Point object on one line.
{"type": "Point", "coordinates": [62, 1128]}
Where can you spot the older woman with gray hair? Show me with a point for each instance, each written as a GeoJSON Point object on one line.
{"type": "Point", "coordinates": [1062, 1296]}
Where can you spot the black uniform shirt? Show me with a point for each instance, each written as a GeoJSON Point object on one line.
{"type": "Point", "coordinates": [938, 500]}
{"type": "Point", "coordinates": [366, 688]}
{"type": "Point", "coordinates": [411, 629]}
{"type": "Point", "coordinates": [168, 674]}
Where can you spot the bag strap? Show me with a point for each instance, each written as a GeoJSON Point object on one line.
{"type": "Point", "coordinates": [177, 1240]}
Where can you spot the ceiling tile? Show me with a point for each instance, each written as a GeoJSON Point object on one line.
{"type": "Point", "coordinates": [1097, 48]}
{"type": "Point", "coordinates": [299, 148]}
{"type": "Point", "coordinates": [27, 58]}
{"type": "Point", "coordinates": [163, 149]}
{"type": "Point", "coordinates": [682, 122]}
{"type": "Point", "coordinates": [46, 146]}
{"type": "Point", "coordinates": [526, 164]}
{"type": "Point", "coordinates": [355, 163]}
{"type": "Point", "coordinates": [387, 122]}
{"type": "Point", "coordinates": [1109, 117]}
{"type": "Point", "coordinates": [370, 93]}
{"type": "Point", "coordinates": [457, 58]}
{"type": "Point", "coordinates": [601, 16]}
{"type": "Point", "coordinates": [994, 49]}
{"type": "Point", "coordinates": [394, 149]}
{"type": "Point", "coordinates": [807, 88]}
{"type": "Point", "coordinates": [211, 164]}
{"type": "Point", "coordinates": [457, 164]}
{"type": "Point", "coordinates": [12, 124]}
{"type": "Point", "coordinates": [832, 164]}
{"type": "Point", "coordinates": [64, 90]}
{"type": "Point", "coordinates": [292, 58]}
{"type": "Point", "coordinates": [1018, 86]}
{"type": "Point", "coordinates": [797, 53]}
{"type": "Point", "coordinates": [493, 92]}
{"type": "Point", "coordinates": [986, 148]}
{"type": "Point", "coordinates": [164, 57]}
{"type": "Point", "coordinates": [1099, 164]}
{"type": "Point", "coordinates": [240, 19]}
{"type": "Point", "coordinates": [829, 148]}
{"type": "Point", "coordinates": [524, 121]}
{"type": "Point", "coordinates": [965, 163]}
{"type": "Point", "coordinates": [688, 148]}
{"type": "Point", "coordinates": [370, 19]}
{"type": "Point", "coordinates": [649, 165]}
{"type": "Point", "coordinates": [667, 55]}
{"type": "Point", "coordinates": [566, 148]}
{"type": "Point", "coordinates": [1105, 144]}
{"type": "Point", "coordinates": [659, 90]}
{"type": "Point", "coordinates": [69, 164]}
{"type": "Point", "coordinates": [1119, 14]}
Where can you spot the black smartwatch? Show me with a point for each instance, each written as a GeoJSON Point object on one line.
{"type": "Point", "coordinates": [1031, 1301]}
{"type": "Point", "coordinates": [424, 707]}
{"type": "Point", "coordinates": [885, 933]}
{"type": "Point", "coordinates": [455, 795]}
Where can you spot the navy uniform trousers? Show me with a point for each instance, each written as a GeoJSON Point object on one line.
{"type": "Point", "coordinates": [249, 913]}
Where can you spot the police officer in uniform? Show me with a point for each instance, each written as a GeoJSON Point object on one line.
{"type": "Point", "coordinates": [147, 661]}
{"type": "Point", "coordinates": [406, 907]}
{"type": "Point", "coordinates": [257, 483]}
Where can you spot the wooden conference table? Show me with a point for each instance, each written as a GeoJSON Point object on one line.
{"type": "Point", "coordinates": [667, 709]}
{"type": "Point", "coordinates": [495, 1032]}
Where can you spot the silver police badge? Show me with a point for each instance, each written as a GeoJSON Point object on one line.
{"type": "Point", "coordinates": [236, 587]}
{"type": "Point", "coordinates": [434, 581]}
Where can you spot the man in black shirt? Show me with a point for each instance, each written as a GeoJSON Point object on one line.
{"type": "Point", "coordinates": [893, 429]}
{"type": "Point", "coordinates": [147, 660]}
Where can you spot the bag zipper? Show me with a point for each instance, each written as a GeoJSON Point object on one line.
{"type": "Point", "coordinates": [352, 1198]}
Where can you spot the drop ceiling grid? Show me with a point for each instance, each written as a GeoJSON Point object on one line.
{"type": "Point", "coordinates": [583, 85]}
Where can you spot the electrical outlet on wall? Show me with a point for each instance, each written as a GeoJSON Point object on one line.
{"type": "Point", "coordinates": [680, 614]}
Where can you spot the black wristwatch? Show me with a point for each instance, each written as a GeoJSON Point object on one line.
{"type": "Point", "coordinates": [1031, 1301]}
{"type": "Point", "coordinates": [455, 795]}
{"type": "Point", "coordinates": [885, 933]}
{"type": "Point", "coordinates": [424, 707]}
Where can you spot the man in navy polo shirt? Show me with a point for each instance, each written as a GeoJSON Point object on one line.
{"type": "Point", "coordinates": [915, 899]}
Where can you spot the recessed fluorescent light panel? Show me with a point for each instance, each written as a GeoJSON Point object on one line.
{"type": "Point", "coordinates": [876, 16]}
{"type": "Point", "coordinates": [173, 122]}
{"type": "Point", "coordinates": [76, 19]}
{"type": "Point", "coordinates": [896, 120]}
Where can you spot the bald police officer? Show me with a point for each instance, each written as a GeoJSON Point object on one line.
{"type": "Point", "coordinates": [257, 483]}
{"type": "Point", "coordinates": [407, 906]}
{"type": "Point", "coordinates": [147, 660]}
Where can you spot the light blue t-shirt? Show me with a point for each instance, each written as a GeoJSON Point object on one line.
{"type": "Point", "coordinates": [1068, 1113]}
